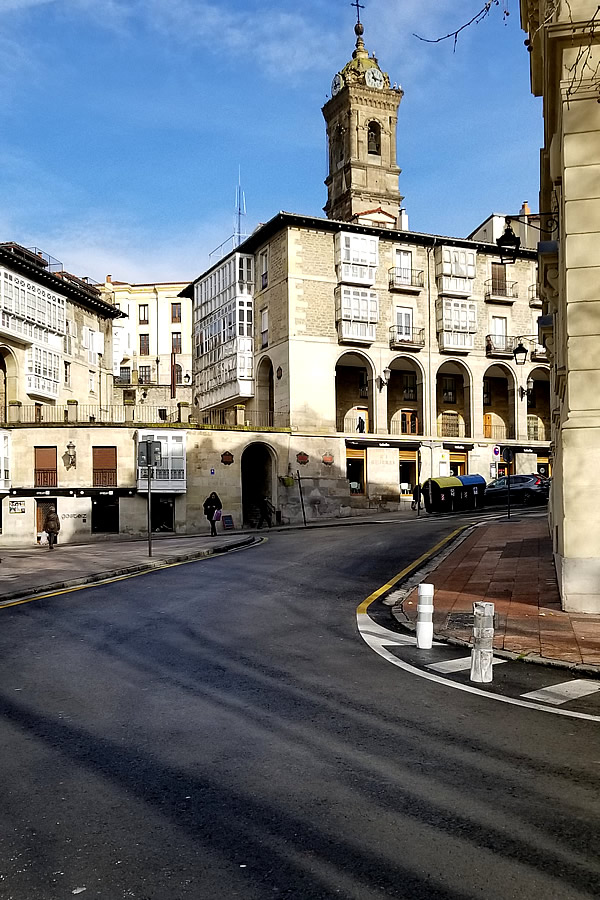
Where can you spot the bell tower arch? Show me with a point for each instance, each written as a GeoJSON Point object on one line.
{"type": "Point", "coordinates": [361, 119]}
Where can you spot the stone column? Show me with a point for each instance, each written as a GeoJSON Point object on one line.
{"type": "Point", "coordinates": [72, 410]}
{"type": "Point", "coordinates": [183, 411]}
{"type": "Point", "coordinates": [14, 412]}
{"type": "Point", "coordinates": [240, 414]}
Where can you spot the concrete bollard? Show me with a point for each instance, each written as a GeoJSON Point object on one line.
{"type": "Point", "coordinates": [425, 617]}
{"type": "Point", "coordinates": [483, 639]}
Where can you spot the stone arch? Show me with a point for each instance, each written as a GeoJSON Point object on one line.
{"type": "Point", "coordinates": [453, 399]}
{"type": "Point", "coordinates": [374, 138]}
{"type": "Point", "coordinates": [9, 380]}
{"type": "Point", "coordinates": [354, 401]}
{"type": "Point", "coordinates": [259, 479]}
{"type": "Point", "coordinates": [405, 395]}
{"type": "Point", "coordinates": [265, 392]}
{"type": "Point", "coordinates": [499, 389]}
{"type": "Point", "coordinates": [538, 404]}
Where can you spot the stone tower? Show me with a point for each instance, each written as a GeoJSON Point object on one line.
{"type": "Point", "coordinates": [361, 117]}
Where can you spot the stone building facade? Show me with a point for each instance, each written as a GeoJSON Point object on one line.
{"type": "Point", "coordinates": [564, 41]}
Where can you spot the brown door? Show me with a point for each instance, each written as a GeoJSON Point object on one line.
{"type": "Point", "coordinates": [499, 279]}
{"type": "Point", "coordinates": [43, 507]}
{"type": "Point", "coordinates": [487, 425]}
{"type": "Point", "coordinates": [45, 467]}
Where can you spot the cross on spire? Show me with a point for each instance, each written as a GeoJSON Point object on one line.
{"type": "Point", "coordinates": [358, 6]}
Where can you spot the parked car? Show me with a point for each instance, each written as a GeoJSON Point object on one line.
{"type": "Point", "coordinates": [524, 489]}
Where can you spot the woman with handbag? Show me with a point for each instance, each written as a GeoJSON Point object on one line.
{"type": "Point", "coordinates": [212, 511]}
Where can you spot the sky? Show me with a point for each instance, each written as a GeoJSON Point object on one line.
{"type": "Point", "coordinates": [125, 122]}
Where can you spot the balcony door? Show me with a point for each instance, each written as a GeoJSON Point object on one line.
{"type": "Point", "coordinates": [499, 279]}
{"type": "Point", "coordinates": [403, 266]}
{"type": "Point", "coordinates": [404, 322]}
{"type": "Point", "coordinates": [499, 332]}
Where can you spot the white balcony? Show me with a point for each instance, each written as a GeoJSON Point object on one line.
{"type": "Point", "coordinates": [38, 386]}
{"type": "Point", "coordinates": [455, 341]}
{"type": "Point", "coordinates": [353, 332]}
{"type": "Point", "coordinates": [453, 286]}
{"type": "Point", "coordinates": [168, 480]}
{"type": "Point", "coordinates": [356, 273]}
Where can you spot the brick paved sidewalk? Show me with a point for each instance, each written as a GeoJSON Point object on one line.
{"type": "Point", "coordinates": [510, 564]}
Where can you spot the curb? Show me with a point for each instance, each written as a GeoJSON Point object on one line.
{"type": "Point", "coordinates": [124, 570]}
{"type": "Point", "coordinates": [401, 619]}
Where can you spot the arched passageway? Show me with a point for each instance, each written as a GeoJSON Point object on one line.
{"type": "Point", "coordinates": [354, 393]}
{"type": "Point", "coordinates": [265, 393]}
{"type": "Point", "coordinates": [453, 400]}
{"type": "Point", "coordinates": [499, 403]}
{"type": "Point", "coordinates": [258, 480]}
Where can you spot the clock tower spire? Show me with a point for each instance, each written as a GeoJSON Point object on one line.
{"type": "Point", "coordinates": [361, 119]}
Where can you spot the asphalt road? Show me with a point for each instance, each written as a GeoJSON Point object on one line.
{"type": "Point", "coordinates": [220, 730]}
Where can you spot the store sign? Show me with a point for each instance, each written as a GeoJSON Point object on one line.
{"type": "Point", "coordinates": [16, 507]}
{"type": "Point", "coordinates": [302, 458]}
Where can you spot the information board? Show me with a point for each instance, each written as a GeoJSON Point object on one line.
{"type": "Point", "coordinates": [227, 522]}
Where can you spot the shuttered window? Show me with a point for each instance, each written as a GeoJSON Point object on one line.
{"type": "Point", "coordinates": [105, 466]}
{"type": "Point", "coordinates": [45, 467]}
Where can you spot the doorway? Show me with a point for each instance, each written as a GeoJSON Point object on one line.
{"type": "Point", "coordinates": [257, 481]}
{"type": "Point", "coordinates": [105, 515]}
{"type": "Point", "coordinates": [163, 513]}
{"type": "Point", "coordinates": [42, 508]}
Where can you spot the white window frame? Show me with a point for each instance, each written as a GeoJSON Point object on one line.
{"type": "Point", "coordinates": [404, 322]}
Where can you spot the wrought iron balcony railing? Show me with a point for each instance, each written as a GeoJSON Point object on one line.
{"type": "Point", "coordinates": [402, 279]}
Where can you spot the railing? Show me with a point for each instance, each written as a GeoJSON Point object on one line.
{"type": "Point", "coordinates": [452, 429]}
{"type": "Point", "coordinates": [350, 424]}
{"type": "Point", "coordinates": [405, 278]}
{"type": "Point", "coordinates": [398, 426]}
{"type": "Point", "coordinates": [45, 478]}
{"type": "Point", "coordinates": [500, 343]}
{"type": "Point", "coordinates": [534, 295]}
{"type": "Point", "coordinates": [88, 414]}
{"type": "Point", "coordinates": [508, 289]}
{"type": "Point", "coordinates": [251, 418]}
{"type": "Point", "coordinates": [414, 337]}
{"type": "Point", "coordinates": [537, 431]}
{"type": "Point", "coordinates": [499, 432]}
{"type": "Point", "coordinates": [161, 474]}
{"type": "Point", "coordinates": [105, 478]}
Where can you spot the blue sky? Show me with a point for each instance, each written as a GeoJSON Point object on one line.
{"type": "Point", "coordinates": [124, 121]}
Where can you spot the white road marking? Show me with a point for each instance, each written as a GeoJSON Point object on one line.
{"type": "Point", "coordinates": [562, 693]}
{"type": "Point", "coordinates": [458, 665]}
{"type": "Point", "coordinates": [374, 636]}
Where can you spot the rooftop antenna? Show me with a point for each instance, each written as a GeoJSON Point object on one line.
{"type": "Point", "coordinates": [240, 203]}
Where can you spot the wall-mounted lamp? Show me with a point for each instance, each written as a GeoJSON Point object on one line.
{"type": "Point", "coordinates": [525, 393]}
{"type": "Point", "coordinates": [384, 379]}
{"type": "Point", "coordinates": [72, 454]}
{"type": "Point", "coordinates": [187, 377]}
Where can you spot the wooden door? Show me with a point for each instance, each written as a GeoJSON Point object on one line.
{"type": "Point", "coordinates": [487, 425]}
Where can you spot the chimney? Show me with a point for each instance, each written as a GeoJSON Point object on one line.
{"type": "Point", "coordinates": [525, 211]}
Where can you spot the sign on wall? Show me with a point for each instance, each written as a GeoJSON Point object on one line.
{"type": "Point", "coordinates": [16, 507]}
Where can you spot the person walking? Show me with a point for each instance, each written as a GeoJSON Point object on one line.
{"type": "Point", "coordinates": [211, 505]}
{"type": "Point", "coordinates": [416, 496]}
{"type": "Point", "coordinates": [51, 526]}
{"type": "Point", "coordinates": [266, 509]}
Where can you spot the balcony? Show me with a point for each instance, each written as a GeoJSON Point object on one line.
{"type": "Point", "coordinates": [406, 338]}
{"type": "Point", "coordinates": [454, 286]}
{"type": "Point", "coordinates": [498, 432]}
{"type": "Point", "coordinates": [535, 301]}
{"type": "Point", "coordinates": [537, 429]}
{"type": "Point", "coordinates": [356, 273]}
{"type": "Point", "coordinates": [40, 386]}
{"type": "Point", "coordinates": [165, 479]}
{"type": "Point", "coordinates": [409, 281]}
{"type": "Point", "coordinates": [45, 478]}
{"type": "Point", "coordinates": [105, 478]}
{"type": "Point", "coordinates": [538, 353]}
{"type": "Point", "coordinates": [455, 341]}
{"type": "Point", "coordinates": [500, 346]}
{"type": "Point", "coordinates": [500, 291]}
{"type": "Point", "coordinates": [452, 429]}
{"type": "Point", "coordinates": [352, 332]}
{"type": "Point", "coordinates": [352, 425]}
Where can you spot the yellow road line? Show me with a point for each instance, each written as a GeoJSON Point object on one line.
{"type": "Point", "coordinates": [376, 594]}
{"type": "Point", "coordinates": [113, 579]}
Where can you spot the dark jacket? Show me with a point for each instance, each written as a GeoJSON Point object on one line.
{"type": "Point", "coordinates": [210, 505]}
{"type": "Point", "coordinates": [52, 523]}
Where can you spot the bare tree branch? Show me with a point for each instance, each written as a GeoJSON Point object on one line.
{"type": "Point", "coordinates": [478, 17]}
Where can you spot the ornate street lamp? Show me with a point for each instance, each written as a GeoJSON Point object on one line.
{"type": "Point", "coordinates": [508, 244]}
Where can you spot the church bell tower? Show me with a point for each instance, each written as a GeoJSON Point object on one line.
{"type": "Point", "coordinates": [361, 118]}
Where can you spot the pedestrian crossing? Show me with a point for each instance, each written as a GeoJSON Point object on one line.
{"type": "Point", "coordinates": [558, 694]}
{"type": "Point", "coordinates": [457, 665]}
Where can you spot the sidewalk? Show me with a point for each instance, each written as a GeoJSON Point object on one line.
{"type": "Point", "coordinates": [509, 564]}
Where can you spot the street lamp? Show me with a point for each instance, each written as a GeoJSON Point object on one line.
{"type": "Point", "coordinates": [520, 351]}
{"type": "Point", "coordinates": [526, 392]}
{"type": "Point", "coordinates": [71, 453]}
{"type": "Point", "coordinates": [508, 244]}
{"type": "Point", "coordinates": [384, 379]}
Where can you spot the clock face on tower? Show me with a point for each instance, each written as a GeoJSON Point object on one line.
{"type": "Point", "coordinates": [374, 78]}
{"type": "Point", "coordinates": [337, 84]}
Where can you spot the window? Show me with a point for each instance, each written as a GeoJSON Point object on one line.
{"type": "Point", "coordinates": [459, 315]}
{"type": "Point", "coordinates": [403, 272]}
{"type": "Point", "coordinates": [91, 381]}
{"type": "Point", "coordinates": [175, 312]}
{"type": "Point", "coordinates": [487, 392]}
{"type": "Point", "coordinates": [125, 374]}
{"type": "Point", "coordinates": [498, 279]}
{"type": "Point", "coordinates": [176, 342]}
{"type": "Point", "coordinates": [409, 382]}
{"type": "Point", "coordinates": [448, 389]}
{"type": "Point", "coordinates": [67, 366]}
{"type": "Point", "coordinates": [178, 374]}
{"type": "Point", "coordinates": [404, 318]}
{"type": "Point", "coordinates": [143, 308]}
{"type": "Point", "coordinates": [374, 139]}
{"type": "Point", "coordinates": [450, 425]}
{"type": "Point", "coordinates": [264, 327]}
{"type": "Point", "coordinates": [363, 384]}
{"type": "Point", "coordinates": [71, 333]}
{"type": "Point", "coordinates": [45, 467]}
{"type": "Point", "coordinates": [499, 332]}
{"type": "Point", "coordinates": [104, 462]}
{"type": "Point", "coordinates": [144, 344]}
{"type": "Point", "coordinates": [144, 374]}
{"type": "Point", "coordinates": [264, 269]}
{"type": "Point", "coordinates": [410, 422]}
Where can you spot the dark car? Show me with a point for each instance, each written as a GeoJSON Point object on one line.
{"type": "Point", "coordinates": [524, 489]}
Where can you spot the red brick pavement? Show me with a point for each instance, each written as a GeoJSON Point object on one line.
{"type": "Point", "coordinates": [510, 564]}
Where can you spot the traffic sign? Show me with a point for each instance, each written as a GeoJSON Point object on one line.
{"type": "Point", "coordinates": [496, 451]}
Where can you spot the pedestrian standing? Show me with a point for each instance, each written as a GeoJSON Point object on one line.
{"type": "Point", "coordinates": [51, 526]}
{"type": "Point", "coordinates": [266, 509]}
{"type": "Point", "coordinates": [212, 504]}
{"type": "Point", "coordinates": [416, 496]}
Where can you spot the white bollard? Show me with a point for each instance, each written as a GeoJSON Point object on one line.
{"type": "Point", "coordinates": [425, 617]}
{"type": "Point", "coordinates": [483, 640]}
